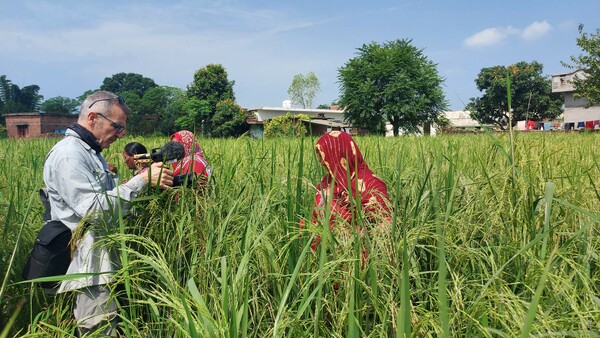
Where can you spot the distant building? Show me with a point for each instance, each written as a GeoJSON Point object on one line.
{"type": "Point", "coordinates": [575, 111]}
{"type": "Point", "coordinates": [325, 120]}
{"type": "Point", "coordinates": [30, 125]}
{"type": "Point", "coordinates": [321, 120]}
{"type": "Point", "coordinates": [460, 121]}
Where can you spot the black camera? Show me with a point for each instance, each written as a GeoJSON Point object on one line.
{"type": "Point", "coordinates": [183, 179]}
{"type": "Point", "coordinates": [169, 153]}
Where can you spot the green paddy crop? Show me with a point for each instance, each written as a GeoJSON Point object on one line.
{"type": "Point", "coordinates": [485, 241]}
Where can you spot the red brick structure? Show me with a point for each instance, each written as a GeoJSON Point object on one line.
{"type": "Point", "coordinates": [30, 125]}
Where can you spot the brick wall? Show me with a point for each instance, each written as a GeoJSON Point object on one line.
{"type": "Point", "coordinates": [60, 123]}
{"type": "Point", "coordinates": [23, 126]}
{"type": "Point", "coordinates": [29, 125]}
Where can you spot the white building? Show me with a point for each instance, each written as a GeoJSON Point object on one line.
{"type": "Point", "coordinates": [574, 110]}
{"type": "Point", "coordinates": [460, 121]}
{"type": "Point", "coordinates": [325, 120]}
{"type": "Point", "coordinates": [321, 120]}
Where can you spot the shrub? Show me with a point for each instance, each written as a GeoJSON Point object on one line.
{"type": "Point", "coordinates": [286, 126]}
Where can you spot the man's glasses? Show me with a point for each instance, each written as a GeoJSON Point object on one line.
{"type": "Point", "coordinates": [118, 98]}
{"type": "Point", "coordinates": [118, 128]}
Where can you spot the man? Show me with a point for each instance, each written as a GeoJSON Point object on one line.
{"type": "Point", "coordinates": [84, 196]}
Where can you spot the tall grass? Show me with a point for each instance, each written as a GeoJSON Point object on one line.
{"type": "Point", "coordinates": [480, 244]}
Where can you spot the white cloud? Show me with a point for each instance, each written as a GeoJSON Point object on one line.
{"type": "Point", "coordinates": [498, 35]}
{"type": "Point", "coordinates": [536, 30]}
{"type": "Point", "coordinates": [490, 36]}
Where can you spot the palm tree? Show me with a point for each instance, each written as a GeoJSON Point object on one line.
{"type": "Point", "coordinates": [15, 100]}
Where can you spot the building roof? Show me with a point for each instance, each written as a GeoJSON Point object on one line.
{"type": "Point", "coordinates": [38, 114]}
{"type": "Point", "coordinates": [297, 110]}
{"type": "Point", "coordinates": [568, 73]}
{"type": "Point", "coordinates": [22, 114]}
{"type": "Point", "coordinates": [257, 115]}
{"type": "Point", "coordinates": [563, 83]}
{"type": "Point", "coordinates": [461, 119]}
{"type": "Point", "coordinates": [328, 123]}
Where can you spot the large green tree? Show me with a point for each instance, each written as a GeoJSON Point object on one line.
{"type": "Point", "coordinates": [161, 106]}
{"type": "Point", "coordinates": [121, 83]}
{"type": "Point", "coordinates": [16, 100]}
{"type": "Point", "coordinates": [174, 100]}
{"type": "Point", "coordinates": [136, 119]}
{"type": "Point", "coordinates": [133, 87]}
{"type": "Point", "coordinates": [589, 61]}
{"type": "Point", "coordinates": [229, 119]}
{"type": "Point", "coordinates": [156, 111]}
{"type": "Point", "coordinates": [60, 105]}
{"type": "Point", "coordinates": [196, 114]}
{"type": "Point", "coordinates": [531, 95]}
{"type": "Point", "coordinates": [303, 89]}
{"type": "Point", "coordinates": [393, 82]}
{"type": "Point", "coordinates": [210, 86]}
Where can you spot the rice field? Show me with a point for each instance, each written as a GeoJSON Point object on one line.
{"type": "Point", "coordinates": [484, 242]}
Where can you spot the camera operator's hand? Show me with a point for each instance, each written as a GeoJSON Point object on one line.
{"type": "Point", "coordinates": [158, 175]}
{"type": "Point", "coordinates": [112, 168]}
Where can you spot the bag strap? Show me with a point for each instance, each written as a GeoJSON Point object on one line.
{"type": "Point", "coordinates": [43, 192]}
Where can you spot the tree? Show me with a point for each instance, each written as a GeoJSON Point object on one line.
{"type": "Point", "coordinates": [150, 109]}
{"type": "Point", "coordinates": [328, 106]}
{"type": "Point", "coordinates": [303, 89]}
{"type": "Point", "coordinates": [174, 101]}
{"type": "Point", "coordinates": [197, 112]}
{"type": "Point", "coordinates": [60, 105]}
{"type": "Point", "coordinates": [589, 61]}
{"type": "Point", "coordinates": [211, 86]}
{"type": "Point", "coordinates": [531, 95]}
{"type": "Point", "coordinates": [393, 82]}
{"type": "Point", "coordinates": [133, 88]}
{"type": "Point", "coordinates": [136, 116]}
{"type": "Point", "coordinates": [121, 83]}
{"type": "Point", "coordinates": [16, 100]}
{"type": "Point", "coordinates": [286, 126]}
{"type": "Point", "coordinates": [155, 111]}
{"type": "Point", "coordinates": [229, 120]}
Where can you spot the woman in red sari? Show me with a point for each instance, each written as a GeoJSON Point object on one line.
{"type": "Point", "coordinates": [348, 184]}
{"type": "Point", "coordinates": [340, 156]}
{"type": "Point", "coordinates": [193, 162]}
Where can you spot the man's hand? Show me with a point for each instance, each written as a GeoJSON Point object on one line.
{"type": "Point", "coordinates": [158, 175]}
{"type": "Point", "coordinates": [111, 168]}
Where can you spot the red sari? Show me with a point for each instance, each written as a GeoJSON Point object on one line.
{"type": "Point", "coordinates": [342, 159]}
{"type": "Point", "coordinates": [193, 161]}
{"type": "Point", "coordinates": [349, 181]}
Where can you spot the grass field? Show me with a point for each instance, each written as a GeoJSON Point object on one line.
{"type": "Point", "coordinates": [480, 245]}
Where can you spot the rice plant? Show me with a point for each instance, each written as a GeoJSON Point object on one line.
{"type": "Point", "coordinates": [484, 241]}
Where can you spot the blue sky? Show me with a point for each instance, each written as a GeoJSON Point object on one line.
{"type": "Point", "coordinates": [68, 47]}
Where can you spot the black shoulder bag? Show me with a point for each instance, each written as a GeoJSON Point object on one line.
{"type": "Point", "coordinates": [50, 255]}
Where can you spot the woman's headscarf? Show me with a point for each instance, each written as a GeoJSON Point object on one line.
{"type": "Point", "coordinates": [193, 161]}
{"type": "Point", "coordinates": [350, 176]}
